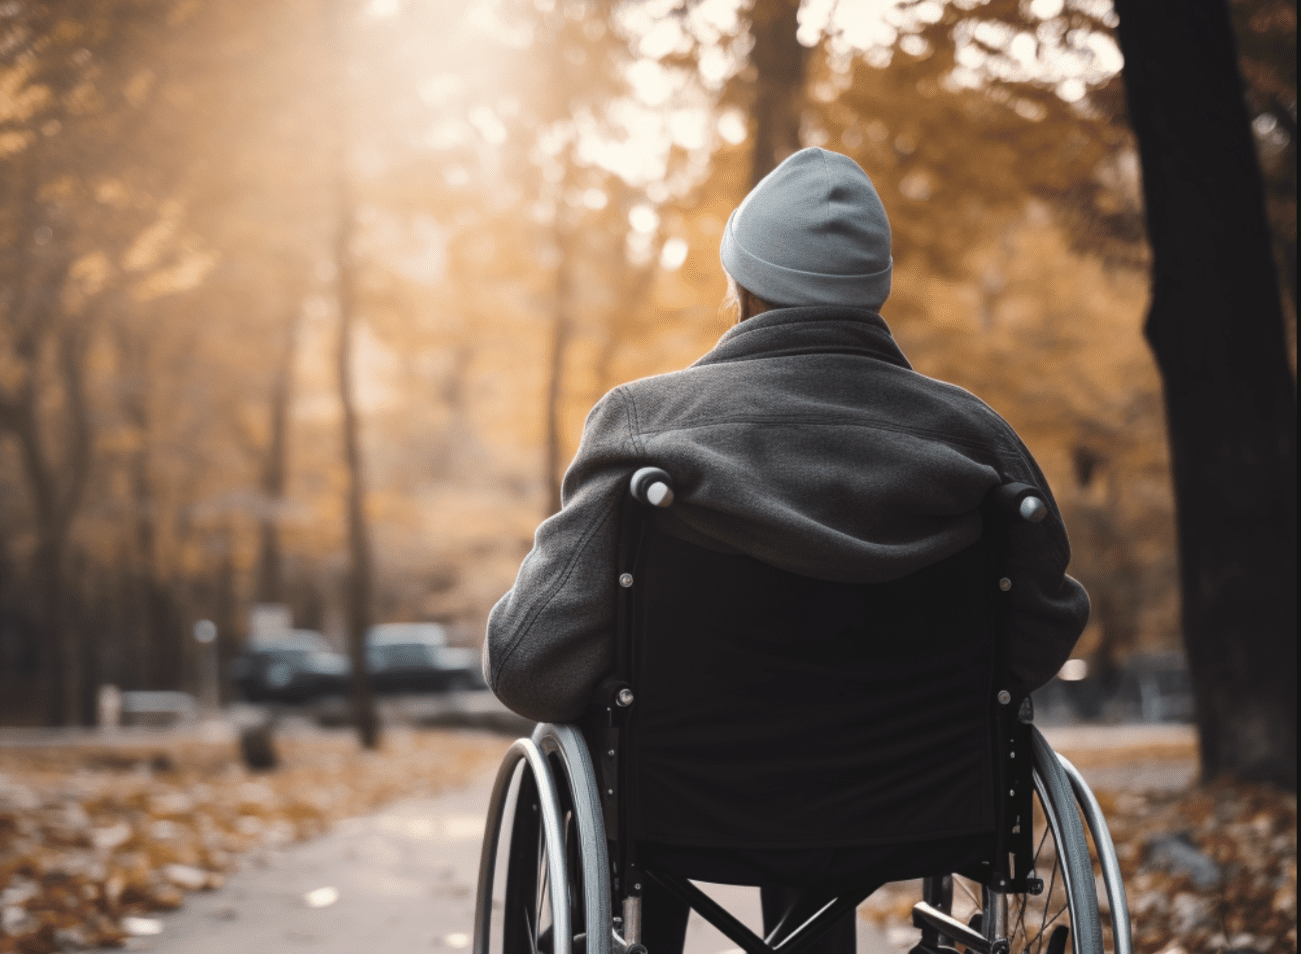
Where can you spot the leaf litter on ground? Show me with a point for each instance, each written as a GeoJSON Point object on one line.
{"type": "Point", "coordinates": [1208, 869]}
{"type": "Point", "coordinates": [94, 838]}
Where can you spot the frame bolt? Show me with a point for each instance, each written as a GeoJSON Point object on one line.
{"type": "Point", "coordinates": [625, 580]}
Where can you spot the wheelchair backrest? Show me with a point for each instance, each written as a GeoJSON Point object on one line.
{"type": "Point", "coordinates": [776, 710]}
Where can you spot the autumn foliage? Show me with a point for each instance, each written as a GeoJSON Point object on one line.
{"type": "Point", "coordinates": [534, 195]}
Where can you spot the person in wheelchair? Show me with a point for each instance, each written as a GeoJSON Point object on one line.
{"type": "Point", "coordinates": [839, 497]}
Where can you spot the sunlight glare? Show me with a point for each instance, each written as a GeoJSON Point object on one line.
{"type": "Point", "coordinates": [486, 18]}
{"type": "Point", "coordinates": [652, 84]}
{"type": "Point", "coordinates": [1071, 90]}
{"type": "Point", "coordinates": [673, 254]}
{"type": "Point", "coordinates": [643, 219]}
{"type": "Point", "coordinates": [688, 127]}
{"type": "Point", "coordinates": [862, 26]}
{"type": "Point", "coordinates": [715, 65]}
{"type": "Point", "coordinates": [732, 127]}
{"type": "Point", "coordinates": [1022, 49]}
{"type": "Point", "coordinates": [639, 155]}
{"type": "Point", "coordinates": [664, 38]}
{"type": "Point", "coordinates": [437, 89]}
{"type": "Point", "coordinates": [485, 120]}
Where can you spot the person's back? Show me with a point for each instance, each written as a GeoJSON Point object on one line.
{"type": "Point", "coordinates": [803, 440]}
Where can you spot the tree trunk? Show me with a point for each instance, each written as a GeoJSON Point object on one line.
{"type": "Point", "coordinates": [359, 579]}
{"type": "Point", "coordinates": [1216, 328]}
{"type": "Point", "coordinates": [554, 452]}
{"type": "Point", "coordinates": [270, 584]}
{"type": "Point", "coordinates": [56, 489]}
{"type": "Point", "coordinates": [59, 652]}
{"type": "Point", "coordinates": [779, 62]}
{"type": "Point", "coordinates": [158, 659]}
{"type": "Point", "coordinates": [359, 570]}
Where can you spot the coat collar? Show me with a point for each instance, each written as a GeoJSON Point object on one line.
{"type": "Point", "coordinates": [808, 329]}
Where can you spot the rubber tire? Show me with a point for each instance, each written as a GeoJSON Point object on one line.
{"type": "Point", "coordinates": [1058, 799]}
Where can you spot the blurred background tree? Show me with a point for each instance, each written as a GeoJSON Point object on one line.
{"type": "Point", "coordinates": [535, 196]}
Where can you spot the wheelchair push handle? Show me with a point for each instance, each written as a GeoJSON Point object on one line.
{"type": "Point", "coordinates": [1021, 500]}
{"type": "Point", "coordinates": [652, 486]}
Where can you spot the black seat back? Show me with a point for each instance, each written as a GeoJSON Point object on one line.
{"type": "Point", "coordinates": [779, 711]}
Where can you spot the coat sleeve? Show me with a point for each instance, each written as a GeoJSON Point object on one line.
{"type": "Point", "coordinates": [550, 639]}
{"type": "Point", "coordinates": [1048, 609]}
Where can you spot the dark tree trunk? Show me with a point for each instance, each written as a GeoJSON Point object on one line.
{"type": "Point", "coordinates": [560, 332]}
{"type": "Point", "coordinates": [275, 469]}
{"type": "Point", "coordinates": [359, 570]}
{"type": "Point", "coordinates": [156, 662]}
{"type": "Point", "coordinates": [56, 488]}
{"type": "Point", "coordinates": [223, 614]}
{"type": "Point", "coordinates": [359, 580]}
{"type": "Point", "coordinates": [1216, 328]}
{"type": "Point", "coordinates": [779, 62]}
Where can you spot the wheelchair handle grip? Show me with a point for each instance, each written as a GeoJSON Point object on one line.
{"type": "Point", "coordinates": [652, 486]}
{"type": "Point", "coordinates": [1022, 500]}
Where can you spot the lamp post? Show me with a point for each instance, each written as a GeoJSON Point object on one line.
{"type": "Point", "coordinates": [205, 634]}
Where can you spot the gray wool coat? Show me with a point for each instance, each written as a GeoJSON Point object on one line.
{"type": "Point", "coordinates": [803, 439]}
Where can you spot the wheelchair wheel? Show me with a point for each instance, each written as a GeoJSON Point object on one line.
{"type": "Point", "coordinates": [556, 892]}
{"type": "Point", "coordinates": [1065, 916]}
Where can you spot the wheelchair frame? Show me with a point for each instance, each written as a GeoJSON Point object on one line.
{"type": "Point", "coordinates": [575, 832]}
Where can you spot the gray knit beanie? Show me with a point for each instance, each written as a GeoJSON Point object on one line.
{"type": "Point", "coordinates": [812, 232]}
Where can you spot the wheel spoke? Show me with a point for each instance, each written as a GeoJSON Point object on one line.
{"type": "Point", "coordinates": [543, 879]}
{"type": "Point", "coordinates": [1020, 920]}
{"type": "Point", "coordinates": [1052, 883]}
{"type": "Point", "coordinates": [1040, 847]}
{"type": "Point", "coordinates": [961, 882]}
{"type": "Point", "coordinates": [530, 926]}
{"type": "Point", "coordinates": [1060, 911]}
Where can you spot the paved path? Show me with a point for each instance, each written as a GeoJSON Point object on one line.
{"type": "Point", "coordinates": [1140, 757]}
{"type": "Point", "coordinates": [395, 882]}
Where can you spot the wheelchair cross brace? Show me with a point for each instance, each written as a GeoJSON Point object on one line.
{"type": "Point", "coordinates": [793, 942]}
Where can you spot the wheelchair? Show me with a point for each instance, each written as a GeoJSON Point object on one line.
{"type": "Point", "coordinates": [728, 744]}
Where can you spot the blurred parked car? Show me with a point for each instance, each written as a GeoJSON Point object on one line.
{"type": "Point", "coordinates": [1157, 687]}
{"type": "Point", "coordinates": [291, 666]}
{"type": "Point", "coordinates": [415, 657]}
{"type": "Point", "coordinates": [1146, 687]}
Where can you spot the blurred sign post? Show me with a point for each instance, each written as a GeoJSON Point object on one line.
{"type": "Point", "coordinates": [205, 634]}
{"type": "Point", "coordinates": [110, 707]}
